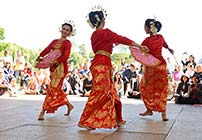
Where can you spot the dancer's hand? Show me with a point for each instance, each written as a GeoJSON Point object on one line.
{"type": "Point", "coordinates": [144, 49]}
{"type": "Point", "coordinates": [39, 58]}
{"type": "Point", "coordinates": [171, 51]}
{"type": "Point", "coordinates": [52, 62]}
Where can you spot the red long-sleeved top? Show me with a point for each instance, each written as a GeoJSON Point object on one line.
{"type": "Point", "coordinates": [103, 39]}
{"type": "Point", "coordinates": [155, 44]}
{"type": "Point", "coordinates": [65, 49]}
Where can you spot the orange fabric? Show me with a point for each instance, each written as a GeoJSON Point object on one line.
{"type": "Point", "coordinates": [55, 97]}
{"type": "Point", "coordinates": [154, 88]}
{"type": "Point", "coordinates": [103, 108]}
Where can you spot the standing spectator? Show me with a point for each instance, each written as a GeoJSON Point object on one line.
{"type": "Point", "coordinates": [73, 81]}
{"type": "Point", "coordinates": [184, 61]}
{"type": "Point", "coordinates": [170, 67]}
{"type": "Point", "coordinates": [19, 64]}
{"type": "Point", "coordinates": [118, 82]}
{"type": "Point", "coordinates": [127, 75]}
{"type": "Point", "coordinates": [7, 58]}
{"type": "Point", "coordinates": [191, 61]}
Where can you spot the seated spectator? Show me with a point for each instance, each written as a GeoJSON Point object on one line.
{"type": "Point", "coordinates": [32, 87]}
{"type": "Point", "coordinates": [87, 85]}
{"type": "Point", "coordinates": [198, 72]}
{"type": "Point", "coordinates": [134, 91]}
{"type": "Point", "coordinates": [13, 85]}
{"type": "Point", "coordinates": [4, 86]}
{"type": "Point", "coordinates": [194, 93]}
{"type": "Point", "coordinates": [26, 74]}
{"type": "Point", "coordinates": [171, 87]}
{"type": "Point", "coordinates": [182, 89]}
{"type": "Point", "coordinates": [44, 85]}
{"type": "Point", "coordinates": [118, 82]}
{"type": "Point", "coordinates": [8, 72]}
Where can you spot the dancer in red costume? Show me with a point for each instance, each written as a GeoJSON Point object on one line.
{"type": "Point", "coordinates": [103, 108]}
{"type": "Point", "coordinates": [154, 83]}
{"type": "Point", "coordinates": [55, 96]}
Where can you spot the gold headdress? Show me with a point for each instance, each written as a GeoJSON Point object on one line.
{"type": "Point", "coordinates": [94, 9]}
{"type": "Point", "coordinates": [71, 22]}
{"type": "Point", "coordinates": [153, 29]}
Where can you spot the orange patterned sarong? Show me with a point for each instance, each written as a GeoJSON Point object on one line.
{"type": "Point", "coordinates": [154, 88]}
{"type": "Point", "coordinates": [103, 108]}
{"type": "Point", "coordinates": [55, 96]}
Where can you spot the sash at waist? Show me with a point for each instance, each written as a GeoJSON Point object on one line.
{"type": "Point", "coordinates": [103, 53]}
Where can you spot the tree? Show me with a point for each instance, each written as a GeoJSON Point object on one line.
{"type": "Point", "coordinates": [2, 34]}
{"type": "Point", "coordinates": [83, 50]}
{"type": "Point", "coordinates": [76, 59]}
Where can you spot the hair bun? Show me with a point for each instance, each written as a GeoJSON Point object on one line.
{"type": "Point", "coordinates": [158, 25]}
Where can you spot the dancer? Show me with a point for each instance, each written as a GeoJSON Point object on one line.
{"type": "Point", "coordinates": [55, 96]}
{"type": "Point", "coordinates": [103, 108]}
{"type": "Point", "coordinates": [154, 83]}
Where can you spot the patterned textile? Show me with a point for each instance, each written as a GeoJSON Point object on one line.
{"type": "Point", "coordinates": [154, 88]}
{"type": "Point", "coordinates": [55, 96]}
{"type": "Point", "coordinates": [103, 108]}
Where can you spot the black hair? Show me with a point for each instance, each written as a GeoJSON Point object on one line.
{"type": "Point", "coordinates": [96, 17]}
{"type": "Point", "coordinates": [71, 28]}
{"type": "Point", "coordinates": [157, 24]}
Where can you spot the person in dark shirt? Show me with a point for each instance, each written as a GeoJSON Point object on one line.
{"type": "Point", "coordinates": [127, 75]}
{"type": "Point", "coordinates": [87, 85]}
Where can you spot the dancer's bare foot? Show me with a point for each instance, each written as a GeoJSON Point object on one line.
{"type": "Point", "coordinates": [70, 107]}
{"type": "Point", "coordinates": [41, 116]}
{"type": "Point", "coordinates": [146, 113]}
{"type": "Point", "coordinates": [164, 117]}
{"type": "Point", "coordinates": [119, 124]}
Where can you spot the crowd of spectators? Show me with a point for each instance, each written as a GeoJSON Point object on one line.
{"type": "Point", "coordinates": [18, 76]}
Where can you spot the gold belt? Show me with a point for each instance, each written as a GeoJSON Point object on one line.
{"type": "Point", "coordinates": [103, 53]}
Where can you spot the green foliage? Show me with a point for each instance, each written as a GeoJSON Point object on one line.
{"type": "Point", "coordinates": [117, 57]}
{"type": "Point", "coordinates": [2, 34]}
{"type": "Point", "coordinates": [83, 51]}
{"type": "Point", "coordinates": [30, 55]}
{"type": "Point", "coordinates": [91, 55]}
{"type": "Point", "coordinates": [76, 59]}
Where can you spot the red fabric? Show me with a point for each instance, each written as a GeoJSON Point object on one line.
{"type": "Point", "coordinates": [103, 108]}
{"type": "Point", "coordinates": [154, 88]}
{"type": "Point", "coordinates": [65, 49]}
{"type": "Point", "coordinates": [155, 44]}
{"type": "Point", "coordinates": [103, 39]}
